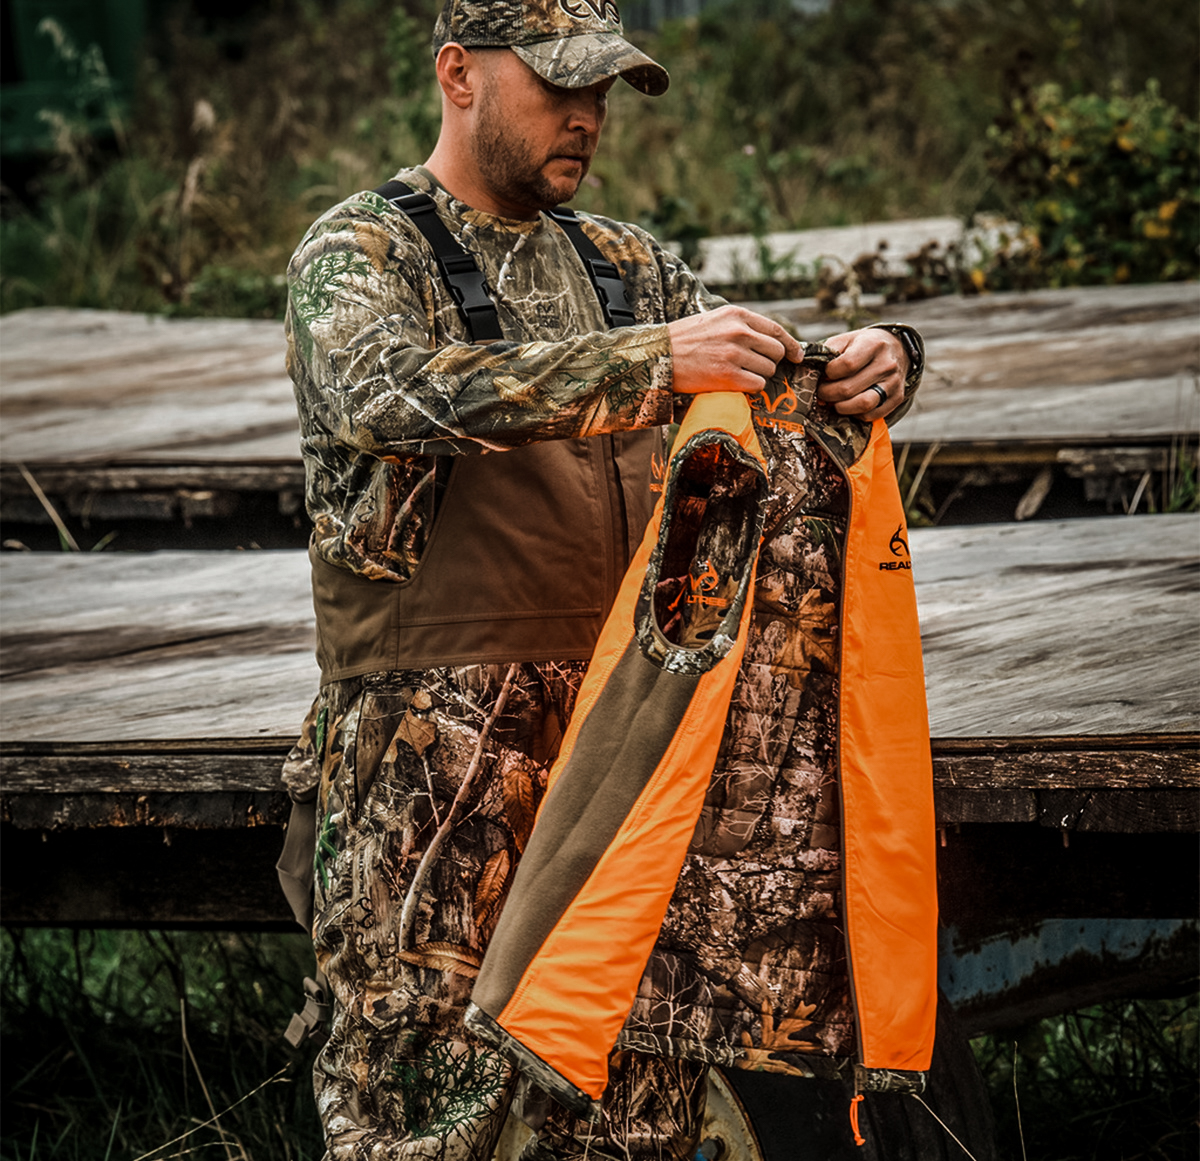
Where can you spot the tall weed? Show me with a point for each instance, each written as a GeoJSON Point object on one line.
{"type": "Point", "coordinates": [116, 1042]}
{"type": "Point", "coordinates": [1114, 1082]}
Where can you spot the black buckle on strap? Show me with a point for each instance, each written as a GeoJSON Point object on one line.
{"type": "Point", "coordinates": [610, 289]}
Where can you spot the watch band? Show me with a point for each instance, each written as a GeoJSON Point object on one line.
{"type": "Point", "coordinates": [914, 348]}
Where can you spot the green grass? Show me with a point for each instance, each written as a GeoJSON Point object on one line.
{"type": "Point", "coordinates": [1114, 1082]}
{"type": "Point", "coordinates": [118, 1042]}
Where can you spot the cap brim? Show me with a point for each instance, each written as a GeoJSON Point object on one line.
{"type": "Point", "coordinates": [574, 62]}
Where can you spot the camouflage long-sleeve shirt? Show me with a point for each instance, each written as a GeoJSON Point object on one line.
{"type": "Point", "coordinates": [388, 384]}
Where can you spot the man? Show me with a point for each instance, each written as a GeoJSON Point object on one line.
{"type": "Point", "coordinates": [458, 594]}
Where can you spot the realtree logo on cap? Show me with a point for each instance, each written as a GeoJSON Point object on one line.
{"type": "Point", "coordinates": [605, 10]}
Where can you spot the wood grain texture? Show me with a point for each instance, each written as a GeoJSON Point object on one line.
{"type": "Point", "coordinates": [91, 387]}
{"type": "Point", "coordinates": [94, 388]}
{"type": "Point", "coordinates": [1087, 627]}
{"type": "Point", "coordinates": [160, 646]}
{"type": "Point", "coordinates": [1067, 627]}
{"type": "Point", "coordinates": [1083, 365]}
{"type": "Point", "coordinates": [1120, 364]}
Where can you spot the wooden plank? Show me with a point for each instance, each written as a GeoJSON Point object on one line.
{"type": "Point", "coordinates": [93, 387]}
{"type": "Point", "coordinates": [1026, 366]}
{"type": "Point", "coordinates": [1067, 627]}
{"type": "Point", "coordinates": [1110, 363]}
{"type": "Point", "coordinates": [157, 646]}
{"type": "Point", "coordinates": [1084, 627]}
{"type": "Point", "coordinates": [60, 479]}
{"type": "Point", "coordinates": [96, 388]}
{"type": "Point", "coordinates": [1074, 765]}
{"type": "Point", "coordinates": [1107, 784]}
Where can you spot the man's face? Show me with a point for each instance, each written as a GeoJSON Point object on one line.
{"type": "Point", "coordinates": [532, 141]}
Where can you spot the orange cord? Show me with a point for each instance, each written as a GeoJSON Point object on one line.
{"type": "Point", "coordinates": [859, 1139]}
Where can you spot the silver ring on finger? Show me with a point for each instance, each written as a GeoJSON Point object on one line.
{"type": "Point", "coordinates": [883, 395]}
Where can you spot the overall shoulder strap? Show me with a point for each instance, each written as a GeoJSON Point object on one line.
{"type": "Point", "coordinates": [459, 270]}
{"type": "Point", "coordinates": [466, 280]}
{"type": "Point", "coordinates": [606, 278]}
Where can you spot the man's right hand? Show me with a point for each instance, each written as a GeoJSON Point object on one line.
{"type": "Point", "coordinates": [728, 349]}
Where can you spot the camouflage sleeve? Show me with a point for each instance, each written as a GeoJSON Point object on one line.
{"type": "Point", "coordinates": [376, 360]}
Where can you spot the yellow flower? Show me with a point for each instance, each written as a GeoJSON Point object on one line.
{"type": "Point", "coordinates": [1167, 210]}
{"type": "Point", "coordinates": [1153, 229]}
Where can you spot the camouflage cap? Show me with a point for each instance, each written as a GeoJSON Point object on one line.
{"type": "Point", "coordinates": [573, 43]}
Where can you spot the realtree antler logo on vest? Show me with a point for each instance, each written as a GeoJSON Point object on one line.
{"type": "Point", "coordinates": [766, 408]}
{"type": "Point", "coordinates": [899, 547]}
{"type": "Point", "coordinates": [658, 472]}
{"type": "Point", "coordinates": [605, 10]}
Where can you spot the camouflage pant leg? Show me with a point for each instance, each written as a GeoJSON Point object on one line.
{"type": "Point", "coordinates": [653, 1111]}
{"type": "Point", "coordinates": [426, 799]}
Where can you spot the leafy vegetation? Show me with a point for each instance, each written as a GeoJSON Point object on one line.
{"type": "Point", "coordinates": [244, 130]}
{"type": "Point", "coordinates": [1107, 189]}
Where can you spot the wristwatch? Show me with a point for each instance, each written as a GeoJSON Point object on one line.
{"type": "Point", "coordinates": [914, 348]}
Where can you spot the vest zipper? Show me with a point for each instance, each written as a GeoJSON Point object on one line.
{"type": "Point", "coordinates": [811, 430]}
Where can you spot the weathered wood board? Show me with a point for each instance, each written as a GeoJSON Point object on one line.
{"type": "Point", "coordinates": [147, 702]}
{"type": "Point", "coordinates": [1086, 627]}
{"type": "Point", "coordinates": [91, 388]}
{"type": "Point", "coordinates": [158, 646]}
{"type": "Point", "coordinates": [1067, 627]}
{"type": "Point", "coordinates": [1086, 365]}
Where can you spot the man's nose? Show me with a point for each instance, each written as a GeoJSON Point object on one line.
{"type": "Point", "coordinates": [587, 113]}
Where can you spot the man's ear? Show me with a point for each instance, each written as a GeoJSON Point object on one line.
{"type": "Point", "coordinates": [458, 73]}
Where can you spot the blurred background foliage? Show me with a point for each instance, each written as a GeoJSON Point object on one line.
{"type": "Point", "coordinates": [1072, 119]}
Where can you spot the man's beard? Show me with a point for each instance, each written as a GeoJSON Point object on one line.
{"type": "Point", "coordinates": [510, 168]}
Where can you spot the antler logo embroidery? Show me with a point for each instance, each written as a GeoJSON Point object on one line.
{"type": "Point", "coordinates": [785, 402]}
{"type": "Point", "coordinates": [706, 581]}
{"type": "Point", "coordinates": [899, 547]}
{"type": "Point", "coordinates": [604, 10]}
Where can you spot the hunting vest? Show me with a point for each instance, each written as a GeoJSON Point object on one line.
{"type": "Point", "coordinates": [563, 966]}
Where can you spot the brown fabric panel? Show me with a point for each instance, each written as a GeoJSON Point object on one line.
{"type": "Point", "coordinates": [618, 748]}
{"type": "Point", "coordinates": [470, 600]}
{"type": "Point", "coordinates": [358, 631]}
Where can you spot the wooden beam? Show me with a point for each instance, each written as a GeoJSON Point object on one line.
{"type": "Point", "coordinates": [1131, 785]}
{"type": "Point", "coordinates": [58, 479]}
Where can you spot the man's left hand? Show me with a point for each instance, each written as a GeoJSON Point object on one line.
{"type": "Point", "coordinates": [867, 377]}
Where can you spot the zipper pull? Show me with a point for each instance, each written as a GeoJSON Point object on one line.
{"type": "Point", "coordinates": [859, 1139]}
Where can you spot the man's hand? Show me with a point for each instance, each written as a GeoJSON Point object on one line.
{"type": "Point", "coordinates": [729, 349]}
{"type": "Point", "coordinates": [867, 377]}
